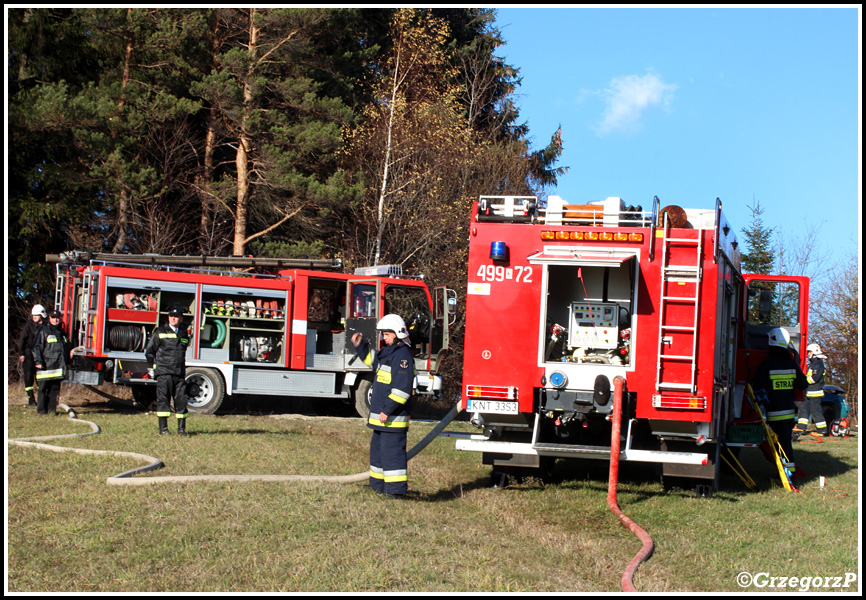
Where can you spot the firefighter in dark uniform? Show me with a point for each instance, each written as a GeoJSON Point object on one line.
{"type": "Point", "coordinates": [25, 350]}
{"type": "Point", "coordinates": [814, 393]}
{"type": "Point", "coordinates": [775, 381]}
{"type": "Point", "coordinates": [389, 405]}
{"type": "Point", "coordinates": [166, 351]}
{"type": "Point", "coordinates": [51, 353]}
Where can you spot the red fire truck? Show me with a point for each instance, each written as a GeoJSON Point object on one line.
{"type": "Point", "coordinates": [563, 299]}
{"type": "Point", "coordinates": [286, 333]}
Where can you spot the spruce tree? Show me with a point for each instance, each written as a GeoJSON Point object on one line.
{"type": "Point", "coordinates": [758, 239]}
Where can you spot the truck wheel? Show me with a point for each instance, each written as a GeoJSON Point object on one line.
{"type": "Point", "coordinates": [363, 393]}
{"type": "Point", "coordinates": [205, 390]}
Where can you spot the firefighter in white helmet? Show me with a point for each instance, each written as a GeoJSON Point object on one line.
{"type": "Point", "coordinates": [814, 393]}
{"type": "Point", "coordinates": [25, 350]}
{"type": "Point", "coordinates": [389, 405]}
{"type": "Point", "coordinates": [51, 356]}
{"type": "Point", "coordinates": [774, 383]}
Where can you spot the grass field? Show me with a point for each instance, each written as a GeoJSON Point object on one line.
{"type": "Point", "coordinates": [68, 531]}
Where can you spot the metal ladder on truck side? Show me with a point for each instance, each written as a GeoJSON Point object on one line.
{"type": "Point", "coordinates": [678, 274]}
{"type": "Point", "coordinates": [87, 323]}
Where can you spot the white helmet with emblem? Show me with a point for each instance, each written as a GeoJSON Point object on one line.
{"type": "Point", "coordinates": [779, 337]}
{"type": "Point", "coordinates": [393, 323]}
{"type": "Point", "coordinates": [816, 350]}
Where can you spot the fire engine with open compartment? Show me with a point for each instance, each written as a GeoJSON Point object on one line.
{"type": "Point", "coordinates": [562, 299]}
{"type": "Point", "coordinates": [284, 332]}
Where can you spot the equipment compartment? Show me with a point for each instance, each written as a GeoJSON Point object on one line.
{"type": "Point", "coordinates": [243, 326]}
{"type": "Point", "coordinates": [136, 307]}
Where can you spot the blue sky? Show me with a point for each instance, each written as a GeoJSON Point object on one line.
{"type": "Point", "coordinates": [695, 104]}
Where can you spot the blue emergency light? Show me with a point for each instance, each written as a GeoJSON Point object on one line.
{"type": "Point", "coordinates": [498, 251]}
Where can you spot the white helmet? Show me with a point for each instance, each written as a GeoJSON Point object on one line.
{"type": "Point", "coordinates": [393, 323]}
{"type": "Point", "coordinates": [39, 310]}
{"type": "Point", "coordinates": [815, 349]}
{"type": "Point", "coordinates": [779, 337]}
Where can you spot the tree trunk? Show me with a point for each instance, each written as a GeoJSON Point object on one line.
{"type": "Point", "coordinates": [124, 202]}
{"type": "Point", "coordinates": [388, 142]}
{"type": "Point", "coordinates": [208, 205]}
{"type": "Point", "coordinates": [242, 157]}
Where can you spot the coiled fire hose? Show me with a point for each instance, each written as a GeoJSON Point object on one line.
{"type": "Point", "coordinates": [648, 546]}
{"type": "Point", "coordinates": [126, 478]}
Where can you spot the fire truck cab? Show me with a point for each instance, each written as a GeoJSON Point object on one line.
{"type": "Point", "coordinates": [562, 299]}
{"type": "Point", "coordinates": [282, 333]}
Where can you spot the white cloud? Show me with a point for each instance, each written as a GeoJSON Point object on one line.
{"type": "Point", "coordinates": [629, 98]}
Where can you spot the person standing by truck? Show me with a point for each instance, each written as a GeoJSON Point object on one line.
{"type": "Point", "coordinates": [166, 351]}
{"type": "Point", "coordinates": [814, 393]}
{"type": "Point", "coordinates": [776, 378]}
{"type": "Point", "coordinates": [389, 405]}
{"type": "Point", "coordinates": [51, 354]}
{"type": "Point", "coordinates": [25, 350]}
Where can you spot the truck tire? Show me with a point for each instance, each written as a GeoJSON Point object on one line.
{"type": "Point", "coordinates": [363, 393]}
{"type": "Point", "coordinates": [205, 390]}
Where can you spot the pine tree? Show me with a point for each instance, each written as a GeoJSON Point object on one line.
{"type": "Point", "coordinates": [758, 239]}
{"type": "Point", "coordinates": [273, 117]}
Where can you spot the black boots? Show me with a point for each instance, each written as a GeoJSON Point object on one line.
{"type": "Point", "coordinates": [31, 398]}
{"type": "Point", "coordinates": [163, 426]}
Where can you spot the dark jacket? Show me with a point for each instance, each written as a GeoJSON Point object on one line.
{"type": "Point", "coordinates": [51, 350]}
{"type": "Point", "coordinates": [392, 388]}
{"type": "Point", "coordinates": [25, 342]}
{"type": "Point", "coordinates": [775, 381]}
{"type": "Point", "coordinates": [166, 350]}
{"type": "Point", "coordinates": [815, 375]}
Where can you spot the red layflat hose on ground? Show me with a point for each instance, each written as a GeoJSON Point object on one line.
{"type": "Point", "coordinates": [648, 546]}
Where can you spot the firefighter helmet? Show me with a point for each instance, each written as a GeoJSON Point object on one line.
{"type": "Point", "coordinates": [175, 311]}
{"type": "Point", "coordinates": [393, 323]}
{"type": "Point", "coordinates": [816, 350]}
{"type": "Point", "coordinates": [39, 310]}
{"type": "Point", "coordinates": [779, 337]}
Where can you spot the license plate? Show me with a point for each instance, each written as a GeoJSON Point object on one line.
{"type": "Point", "coordinates": [491, 406]}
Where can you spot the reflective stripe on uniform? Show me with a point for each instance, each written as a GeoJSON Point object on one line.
{"type": "Point", "coordinates": [164, 336]}
{"type": "Point", "coordinates": [163, 414]}
{"type": "Point", "coordinates": [398, 396]}
{"type": "Point", "coordinates": [368, 360]}
{"type": "Point", "coordinates": [780, 415]}
{"type": "Point", "coordinates": [383, 375]}
{"type": "Point", "coordinates": [783, 379]}
{"type": "Point", "coordinates": [391, 422]}
{"type": "Point", "coordinates": [815, 394]}
{"type": "Point", "coordinates": [396, 475]}
{"type": "Point", "coordinates": [52, 374]}
{"type": "Point", "coordinates": [377, 472]}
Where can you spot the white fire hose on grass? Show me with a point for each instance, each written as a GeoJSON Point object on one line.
{"type": "Point", "coordinates": [126, 478]}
